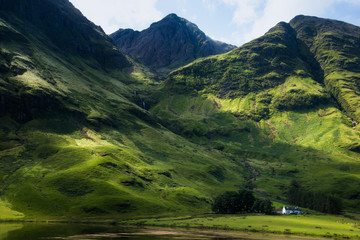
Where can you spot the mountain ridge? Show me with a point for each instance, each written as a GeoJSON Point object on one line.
{"type": "Point", "coordinates": [274, 62]}
{"type": "Point", "coordinates": [42, 13]}
{"type": "Point", "coordinates": [301, 100]}
{"type": "Point", "coordinates": [75, 137]}
{"type": "Point", "coordinates": [337, 53]}
{"type": "Point", "coordinates": [167, 44]}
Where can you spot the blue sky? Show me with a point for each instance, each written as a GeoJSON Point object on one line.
{"type": "Point", "coordinates": [231, 21]}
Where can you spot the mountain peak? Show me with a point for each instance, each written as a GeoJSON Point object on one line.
{"type": "Point", "coordinates": [171, 16]}
{"type": "Point", "coordinates": [281, 26]}
{"type": "Point", "coordinates": [168, 44]}
{"type": "Point", "coordinates": [169, 19]}
{"type": "Point", "coordinates": [324, 25]}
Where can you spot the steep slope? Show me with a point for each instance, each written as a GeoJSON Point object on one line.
{"type": "Point", "coordinates": [269, 102]}
{"type": "Point", "coordinates": [46, 51]}
{"type": "Point", "coordinates": [273, 68]}
{"type": "Point", "coordinates": [67, 29]}
{"type": "Point", "coordinates": [73, 139]}
{"type": "Point", "coordinates": [168, 44]}
{"type": "Point", "coordinates": [335, 46]}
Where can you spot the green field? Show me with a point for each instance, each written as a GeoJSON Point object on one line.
{"type": "Point", "coordinates": [314, 225]}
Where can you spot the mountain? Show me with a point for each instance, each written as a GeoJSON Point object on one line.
{"type": "Point", "coordinates": [285, 102]}
{"type": "Point", "coordinates": [46, 49]}
{"type": "Point", "coordinates": [66, 27]}
{"type": "Point", "coordinates": [335, 47]}
{"type": "Point", "coordinates": [168, 44]}
{"type": "Point", "coordinates": [87, 132]}
{"type": "Point", "coordinates": [76, 139]}
{"type": "Point", "coordinates": [256, 67]}
{"type": "Point", "coordinates": [308, 50]}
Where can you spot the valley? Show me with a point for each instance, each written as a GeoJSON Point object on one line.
{"type": "Point", "coordinates": [92, 131]}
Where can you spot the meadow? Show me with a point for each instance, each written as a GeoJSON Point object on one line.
{"type": "Point", "coordinates": [313, 225]}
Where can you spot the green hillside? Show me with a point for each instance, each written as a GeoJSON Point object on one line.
{"type": "Point", "coordinates": [335, 46]}
{"type": "Point", "coordinates": [87, 132]}
{"type": "Point", "coordinates": [270, 102]}
{"type": "Point", "coordinates": [74, 141]}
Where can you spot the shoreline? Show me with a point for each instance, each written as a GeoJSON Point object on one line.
{"type": "Point", "coordinates": [316, 226]}
{"type": "Point", "coordinates": [157, 230]}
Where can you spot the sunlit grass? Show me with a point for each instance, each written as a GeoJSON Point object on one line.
{"type": "Point", "coordinates": [328, 226]}
{"type": "Point", "coordinates": [6, 213]}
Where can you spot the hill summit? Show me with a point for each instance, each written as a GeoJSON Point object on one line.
{"type": "Point", "coordinates": [316, 52]}
{"type": "Point", "coordinates": [168, 44]}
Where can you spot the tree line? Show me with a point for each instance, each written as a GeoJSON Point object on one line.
{"type": "Point", "coordinates": [319, 201]}
{"type": "Point", "coordinates": [242, 201]}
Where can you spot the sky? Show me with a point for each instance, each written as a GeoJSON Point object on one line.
{"type": "Point", "coordinates": [231, 21]}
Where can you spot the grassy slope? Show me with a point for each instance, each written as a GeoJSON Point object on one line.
{"type": "Point", "coordinates": [283, 122]}
{"type": "Point", "coordinates": [335, 44]}
{"type": "Point", "coordinates": [306, 145]}
{"type": "Point", "coordinates": [67, 174]}
{"type": "Point", "coordinates": [93, 151]}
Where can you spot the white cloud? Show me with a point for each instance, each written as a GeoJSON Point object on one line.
{"type": "Point", "coordinates": [276, 11]}
{"type": "Point", "coordinates": [355, 2]}
{"type": "Point", "coordinates": [210, 5]}
{"type": "Point", "coordinates": [255, 17]}
{"type": "Point", "coordinates": [114, 14]}
{"type": "Point", "coordinates": [246, 11]}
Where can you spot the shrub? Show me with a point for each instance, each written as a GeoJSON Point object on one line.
{"type": "Point", "coordinates": [241, 202]}
{"type": "Point", "coordinates": [319, 201]}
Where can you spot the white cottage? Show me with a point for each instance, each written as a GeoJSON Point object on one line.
{"type": "Point", "coordinates": [291, 210]}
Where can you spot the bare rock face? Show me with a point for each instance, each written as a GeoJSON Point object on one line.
{"type": "Point", "coordinates": [168, 44]}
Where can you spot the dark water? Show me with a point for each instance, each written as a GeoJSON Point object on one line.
{"type": "Point", "coordinates": [20, 231]}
